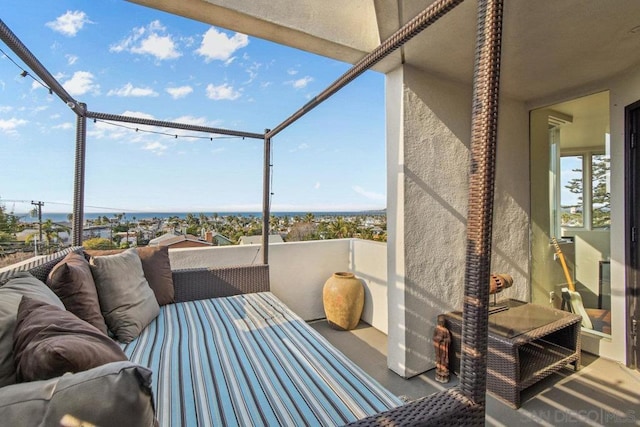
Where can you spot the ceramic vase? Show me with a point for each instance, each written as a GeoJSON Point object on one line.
{"type": "Point", "coordinates": [343, 299]}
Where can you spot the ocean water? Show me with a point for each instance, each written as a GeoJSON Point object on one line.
{"type": "Point", "coordinates": [62, 217]}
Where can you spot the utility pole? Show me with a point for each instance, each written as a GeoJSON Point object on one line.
{"type": "Point", "coordinates": [39, 206]}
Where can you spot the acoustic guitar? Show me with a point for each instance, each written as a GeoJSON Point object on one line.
{"type": "Point", "coordinates": [563, 262]}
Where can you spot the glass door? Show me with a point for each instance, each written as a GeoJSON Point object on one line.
{"type": "Point", "coordinates": [571, 232]}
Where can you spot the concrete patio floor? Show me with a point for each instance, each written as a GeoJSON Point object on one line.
{"type": "Point", "coordinates": [601, 393]}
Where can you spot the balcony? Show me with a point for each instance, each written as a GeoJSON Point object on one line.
{"type": "Point", "coordinates": [603, 392]}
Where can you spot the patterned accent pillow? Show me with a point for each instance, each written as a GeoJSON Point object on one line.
{"type": "Point", "coordinates": [127, 302]}
{"type": "Point", "coordinates": [50, 341]}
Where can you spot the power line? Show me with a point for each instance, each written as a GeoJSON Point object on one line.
{"type": "Point", "coordinates": [70, 204]}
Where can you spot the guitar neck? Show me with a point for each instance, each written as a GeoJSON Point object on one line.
{"type": "Point", "coordinates": [563, 262]}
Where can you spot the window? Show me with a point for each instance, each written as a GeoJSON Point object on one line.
{"type": "Point", "coordinates": [584, 207]}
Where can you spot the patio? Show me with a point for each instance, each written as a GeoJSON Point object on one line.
{"type": "Point", "coordinates": [598, 395]}
{"type": "Point", "coordinates": [603, 392]}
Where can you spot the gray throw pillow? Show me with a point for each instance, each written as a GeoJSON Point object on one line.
{"type": "Point", "coordinates": [127, 302]}
{"type": "Point", "coordinates": [115, 394]}
{"type": "Point", "coordinates": [11, 293]}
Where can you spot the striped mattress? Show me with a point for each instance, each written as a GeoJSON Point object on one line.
{"type": "Point", "coordinates": [248, 360]}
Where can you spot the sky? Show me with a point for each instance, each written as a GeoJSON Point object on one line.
{"type": "Point", "coordinates": [122, 58]}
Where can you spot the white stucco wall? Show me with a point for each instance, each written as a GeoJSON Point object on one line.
{"type": "Point", "coordinates": [369, 263]}
{"type": "Point", "coordinates": [428, 161]}
{"type": "Point", "coordinates": [298, 271]}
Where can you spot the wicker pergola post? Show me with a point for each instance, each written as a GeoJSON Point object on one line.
{"type": "Point", "coordinates": [78, 182]}
{"type": "Point", "coordinates": [484, 128]}
{"type": "Point", "coordinates": [266, 197]}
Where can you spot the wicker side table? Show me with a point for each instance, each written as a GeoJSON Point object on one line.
{"type": "Point", "coordinates": [526, 343]}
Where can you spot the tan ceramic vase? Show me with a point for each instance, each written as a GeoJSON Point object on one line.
{"type": "Point", "coordinates": [343, 299]}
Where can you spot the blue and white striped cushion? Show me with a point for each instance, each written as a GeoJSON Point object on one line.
{"type": "Point", "coordinates": [248, 360]}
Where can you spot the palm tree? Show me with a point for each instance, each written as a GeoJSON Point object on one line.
{"type": "Point", "coordinates": [274, 222]}
{"type": "Point", "coordinates": [338, 228]}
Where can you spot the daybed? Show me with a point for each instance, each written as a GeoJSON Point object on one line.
{"type": "Point", "coordinates": [220, 349]}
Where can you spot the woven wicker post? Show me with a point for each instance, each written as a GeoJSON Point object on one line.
{"type": "Point", "coordinates": [481, 188]}
{"type": "Point", "coordinates": [266, 197]}
{"type": "Point", "coordinates": [78, 182]}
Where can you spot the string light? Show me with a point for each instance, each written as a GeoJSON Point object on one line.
{"type": "Point", "coordinates": [25, 73]}
{"type": "Point", "coordinates": [173, 135]}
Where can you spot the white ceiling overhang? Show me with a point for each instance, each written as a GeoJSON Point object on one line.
{"type": "Point", "coordinates": [549, 46]}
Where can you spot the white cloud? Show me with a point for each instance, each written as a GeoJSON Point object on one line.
{"type": "Point", "coordinates": [5, 108]}
{"type": "Point", "coordinates": [190, 120]}
{"type": "Point", "coordinates": [162, 47]}
{"type": "Point", "coordinates": [300, 83]}
{"type": "Point", "coordinates": [300, 147]}
{"type": "Point", "coordinates": [369, 194]}
{"type": "Point", "coordinates": [155, 147]}
{"type": "Point", "coordinates": [218, 45]}
{"type": "Point", "coordinates": [149, 40]}
{"type": "Point", "coordinates": [317, 186]}
{"type": "Point", "coordinates": [252, 70]}
{"type": "Point", "coordinates": [222, 92]}
{"type": "Point", "coordinates": [129, 90]}
{"type": "Point", "coordinates": [71, 59]}
{"type": "Point", "coordinates": [9, 126]}
{"type": "Point", "coordinates": [64, 126]}
{"type": "Point", "coordinates": [80, 83]}
{"type": "Point", "coordinates": [292, 72]}
{"type": "Point", "coordinates": [179, 92]}
{"type": "Point", "coordinates": [139, 114]}
{"type": "Point", "coordinates": [70, 23]}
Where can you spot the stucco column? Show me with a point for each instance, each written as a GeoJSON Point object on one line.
{"type": "Point", "coordinates": [428, 134]}
{"type": "Point", "coordinates": [428, 128]}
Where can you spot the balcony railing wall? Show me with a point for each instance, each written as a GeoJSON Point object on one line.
{"type": "Point", "coordinates": [298, 271]}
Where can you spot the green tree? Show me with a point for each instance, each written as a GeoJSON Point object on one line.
{"type": "Point", "coordinates": [52, 231]}
{"type": "Point", "coordinates": [600, 198]}
{"type": "Point", "coordinates": [338, 229]}
{"type": "Point", "coordinates": [98, 243]}
{"type": "Point", "coordinates": [8, 225]}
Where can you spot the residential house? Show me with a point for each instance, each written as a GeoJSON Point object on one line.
{"type": "Point", "coordinates": [179, 241]}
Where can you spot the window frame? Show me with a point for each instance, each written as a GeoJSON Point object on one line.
{"type": "Point", "coordinates": [587, 189]}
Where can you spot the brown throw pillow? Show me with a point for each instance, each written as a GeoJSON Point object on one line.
{"type": "Point", "coordinates": [72, 281]}
{"type": "Point", "coordinates": [49, 342]}
{"type": "Point", "coordinates": [11, 293]}
{"type": "Point", "coordinates": [157, 270]}
{"type": "Point", "coordinates": [156, 267]}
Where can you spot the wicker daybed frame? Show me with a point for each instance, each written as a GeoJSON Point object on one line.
{"type": "Point", "coordinates": [464, 404]}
